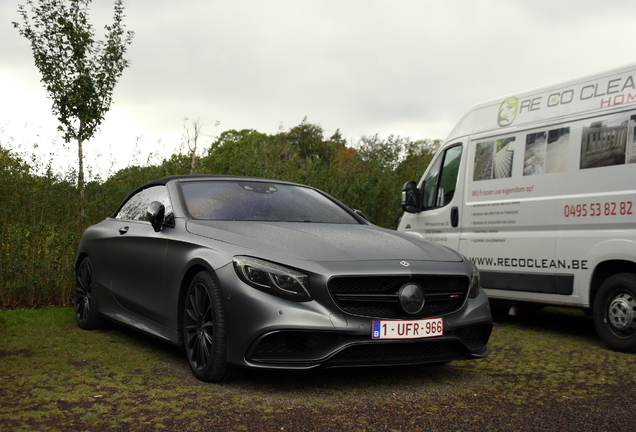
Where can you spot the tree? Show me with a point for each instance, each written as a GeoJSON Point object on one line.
{"type": "Point", "coordinates": [388, 153]}
{"type": "Point", "coordinates": [78, 72]}
{"type": "Point", "coordinates": [191, 138]}
{"type": "Point", "coordinates": [419, 155]}
{"type": "Point", "coordinates": [309, 141]}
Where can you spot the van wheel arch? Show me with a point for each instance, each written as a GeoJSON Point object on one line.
{"type": "Point", "coordinates": [605, 270]}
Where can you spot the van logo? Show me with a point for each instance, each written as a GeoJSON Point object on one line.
{"type": "Point", "coordinates": [508, 111]}
{"type": "Point", "coordinates": [405, 263]}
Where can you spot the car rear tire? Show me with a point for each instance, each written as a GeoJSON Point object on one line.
{"type": "Point", "coordinates": [85, 303]}
{"type": "Point", "coordinates": [615, 312]}
{"type": "Point", "coordinates": [204, 331]}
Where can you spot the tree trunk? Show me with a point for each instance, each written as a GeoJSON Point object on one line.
{"type": "Point", "coordinates": [80, 174]}
{"type": "Point", "coordinates": [193, 161]}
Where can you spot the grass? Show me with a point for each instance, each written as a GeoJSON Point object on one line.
{"type": "Point", "coordinates": [54, 376]}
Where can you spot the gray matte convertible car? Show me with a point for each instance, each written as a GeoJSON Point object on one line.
{"type": "Point", "coordinates": [248, 272]}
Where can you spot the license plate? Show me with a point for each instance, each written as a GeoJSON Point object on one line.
{"type": "Point", "coordinates": [411, 329]}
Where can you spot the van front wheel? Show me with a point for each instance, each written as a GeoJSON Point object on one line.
{"type": "Point", "coordinates": [615, 312]}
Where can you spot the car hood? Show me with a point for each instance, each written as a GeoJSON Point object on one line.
{"type": "Point", "coordinates": [323, 242]}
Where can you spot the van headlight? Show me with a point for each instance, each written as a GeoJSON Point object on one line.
{"type": "Point", "coordinates": [273, 278]}
{"type": "Point", "coordinates": [475, 283]}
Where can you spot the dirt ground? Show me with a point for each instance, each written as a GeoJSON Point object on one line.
{"type": "Point", "coordinates": [546, 372]}
{"type": "Point", "coordinates": [611, 412]}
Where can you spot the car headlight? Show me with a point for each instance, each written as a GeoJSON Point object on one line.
{"type": "Point", "coordinates": [273, 278]}
{"type": "Point", "coordinates": [475, 283]}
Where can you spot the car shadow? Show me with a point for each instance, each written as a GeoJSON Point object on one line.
{"type": "Point", "coordinates": [565, 321]}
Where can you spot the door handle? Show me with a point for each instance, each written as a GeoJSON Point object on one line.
{"type": "Point", "coordinates": [454, 216]}
{"type": "Point", "coordinates": [123, 230]}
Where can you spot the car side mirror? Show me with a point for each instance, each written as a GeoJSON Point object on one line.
{"type": "Point", "coordinates": [155, 214]}
{"type": "Point", "coordinates": [410, 197]}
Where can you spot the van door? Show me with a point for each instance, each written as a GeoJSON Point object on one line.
{"type": "Point", "coordinates": [441, 193]}
{"type": "Point", "coordinates": [511, 213]}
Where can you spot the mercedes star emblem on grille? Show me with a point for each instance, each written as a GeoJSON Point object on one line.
{"type": "Point", "coordinates": [411, 298]}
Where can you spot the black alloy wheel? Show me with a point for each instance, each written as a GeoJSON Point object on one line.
{"type": "Point", "coordinates": [615, 312]}
{"type": "Point", "coordinates": [86, 310]}
{"type": "Point", "coordinates": [204, 331]}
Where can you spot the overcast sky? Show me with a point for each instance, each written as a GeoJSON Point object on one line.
{"type": "Point", "coordinates": [410, 68]}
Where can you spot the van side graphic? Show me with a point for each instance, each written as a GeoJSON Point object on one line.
{"type": "Point", "coordinates": [508, 111]}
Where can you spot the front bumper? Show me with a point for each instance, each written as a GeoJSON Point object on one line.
{"type": "Point", "coordinates": [304, 350]}
{"type": "Point", "coordinates": [264, 331]}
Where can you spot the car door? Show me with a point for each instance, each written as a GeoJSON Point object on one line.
{"type": "Point", "coordinates": [137, 256]}
{"type": "Point", "coordinates": [441, 198]}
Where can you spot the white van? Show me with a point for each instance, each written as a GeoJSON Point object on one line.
{"type": "Point", "coordinates": [538, 189]}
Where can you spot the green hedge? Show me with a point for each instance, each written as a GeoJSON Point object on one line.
{"type": "Point", "coordinates": [40, 222]}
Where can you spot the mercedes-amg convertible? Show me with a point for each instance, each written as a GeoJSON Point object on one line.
{"type": "Point", "coordinates": [257, 273]}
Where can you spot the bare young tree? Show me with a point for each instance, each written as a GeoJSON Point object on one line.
{"type": "Point", "coordinates": [190, 136]}
{"type": "Point", "coordinates": [78, 72]}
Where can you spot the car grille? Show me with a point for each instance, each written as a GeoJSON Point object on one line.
{"type": "Point", "coordinates": [398, 353]}
{"type": "Point", "coordinates": [377, 297]}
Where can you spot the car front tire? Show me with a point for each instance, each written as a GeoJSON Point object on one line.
{"type": "Point", "coordinates": [85, 302]}
{"type": "Point", "coordinates": [615, 312]}
{"type": "Point", "coordinates": [204, 331]}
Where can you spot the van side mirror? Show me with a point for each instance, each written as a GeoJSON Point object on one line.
{"type": "Point", "coordinates": [155, 214]}
{"type": "Point", "coordinates": [410, 197]}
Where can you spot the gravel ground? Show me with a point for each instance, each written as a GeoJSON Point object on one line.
{"type": "Point", "coordinates": [443, 407]}
{"type": "Point", "coordinates": [537, 378]}
{"type": "Point", "coordinates": [608, 413]}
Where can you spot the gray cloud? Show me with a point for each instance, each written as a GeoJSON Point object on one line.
{"type": "Point", "coordinates": [364, 67]}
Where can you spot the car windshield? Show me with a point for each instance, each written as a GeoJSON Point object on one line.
{"type": "Point", "coordinates": [260, 201]}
